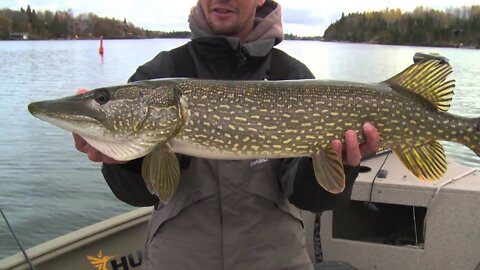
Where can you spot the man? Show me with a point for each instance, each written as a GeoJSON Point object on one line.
{"type": "Point", "coordinates": [229, 214]}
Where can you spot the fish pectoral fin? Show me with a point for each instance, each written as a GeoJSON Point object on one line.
{"type": "Point", "coordinates": [329, 171]}
{"type": "Point", "coordinates": [426, 161]}
{"type": "Point", "coordinates": [161, 172]}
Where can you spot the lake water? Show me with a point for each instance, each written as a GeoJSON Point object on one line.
{"type": "Point", "coordinates": [47, 188]}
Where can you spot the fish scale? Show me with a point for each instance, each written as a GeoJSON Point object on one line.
{"type": "Point", "coordinates": [287, 118]}
{"type": "Point", "coordinates": [158, 119]}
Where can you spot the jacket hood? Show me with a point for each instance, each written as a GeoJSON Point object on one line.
{"type": "Point", "coordinates": [268, 30]}
{"type": "Point", "coordinates": [268, 23]}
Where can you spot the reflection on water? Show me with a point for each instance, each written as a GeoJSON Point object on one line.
{"type": "Point", "coordinates": [47, 188]}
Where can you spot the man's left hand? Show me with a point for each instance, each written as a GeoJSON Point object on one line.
{"type": "Point", "coordinates": [353, 150]}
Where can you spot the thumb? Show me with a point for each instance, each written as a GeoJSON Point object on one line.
{"type": "Point", "coordinates": [81, 91]}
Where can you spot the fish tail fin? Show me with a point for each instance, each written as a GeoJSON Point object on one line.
{"type": "Point", "coordinates": [426, 161]}
{"type": "Point", "coordinates": [427, 78]}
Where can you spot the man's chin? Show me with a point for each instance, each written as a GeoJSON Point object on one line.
{"type": "Point", "coordinates": [224, 32]}
{"type": "Point", "coordinates": [223, 28]}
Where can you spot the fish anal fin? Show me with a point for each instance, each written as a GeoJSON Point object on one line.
{"type": "Point", "coordinates": [329, 171]}
{"type": "Point", "coordinates": [427, 78]}
{"type": "Point", "coordinates": [161, 173]}
{"type": "Point", "coordinates": [426, 161]}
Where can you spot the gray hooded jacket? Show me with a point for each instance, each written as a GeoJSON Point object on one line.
{"type": "Point", "coordinates": [228, 214]}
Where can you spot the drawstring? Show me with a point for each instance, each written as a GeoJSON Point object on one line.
{"type": "Point", "coordinates": [241, 57]}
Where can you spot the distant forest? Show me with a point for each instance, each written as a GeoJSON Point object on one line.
{"type": "Point", "coordinates": [425, 27]}
{"type": "Point", "coordinates": [64, 25]}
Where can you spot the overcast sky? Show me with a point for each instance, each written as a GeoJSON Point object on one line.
{"type": "Point", "coordinates": [301, 17]}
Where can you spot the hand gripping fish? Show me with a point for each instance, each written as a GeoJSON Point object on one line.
{"type": "Point", "coordinates": [267, 119]}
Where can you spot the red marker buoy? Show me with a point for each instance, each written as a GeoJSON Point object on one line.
{"type": "Point", "coordinates": [100, 50]}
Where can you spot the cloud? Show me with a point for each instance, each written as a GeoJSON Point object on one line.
{"type": "Point", "coordinates": [307, 19]}
{"type": "Point", "coordinates": [301, 17]}
{"type": "Point", "coordinates": [152, 15]}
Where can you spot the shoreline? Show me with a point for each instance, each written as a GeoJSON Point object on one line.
{"type": "Point", "coordinates": [459, 46]}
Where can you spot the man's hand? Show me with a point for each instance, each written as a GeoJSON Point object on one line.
{"type": "Point", "coordinates": [353, 150]}
{"type": "Point", "coordinates": [92, 153]}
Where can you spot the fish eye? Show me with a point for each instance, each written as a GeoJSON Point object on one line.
{"type": "Point", "coordinates": [102, 97]}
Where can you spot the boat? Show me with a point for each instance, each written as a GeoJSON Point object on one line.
{"type": "Point", "coordinates": [110, 244]}
{"type": "Point", "coordinates": [394, 222]}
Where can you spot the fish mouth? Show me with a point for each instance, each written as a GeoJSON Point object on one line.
{"type": "Point", "coordinates": [73, 123]}
{"type": "Point", "coordinates": [45, 110]}
{"type": "Point", "coordinates": [77, 118]}
{"type": "Point", "coordinates": [77, 123]}
{"type": "Point", "coordinates": [49, 116]}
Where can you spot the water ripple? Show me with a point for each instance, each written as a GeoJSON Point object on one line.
{"type": "Point", "coordinates": [47, 188]}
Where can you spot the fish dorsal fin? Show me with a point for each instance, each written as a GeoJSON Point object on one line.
{"type": "Point", "coordinates": [428, 79]}
{"type": "Point", "coordinates": [329, 171]}
{"type": "Point", "coordinates": [426, 161]}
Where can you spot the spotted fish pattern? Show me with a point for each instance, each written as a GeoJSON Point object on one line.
{"type": "Point", "coordinates": [267, 119]}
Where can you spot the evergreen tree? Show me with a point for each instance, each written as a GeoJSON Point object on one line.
{"type": "Point", "coordinates": [423, 26]}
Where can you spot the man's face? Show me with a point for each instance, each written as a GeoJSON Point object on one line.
{"type": "Point", "coordinates": [231, 17]}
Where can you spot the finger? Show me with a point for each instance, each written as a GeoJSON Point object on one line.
{"type": "Point", "coordinates": [82, 146]}
{"type": "Point", "coordinates": [93, 154]}
{"type": "Point", "coordinates": [97, 156]}
{"type": "Point", "coordinates": [352, 150]}
{"type": "Point", "coordinates": [337, 146]}
{"type": "Point", "coordinates": [81, 91]}
{"type": "Point", "coordinates": [372, 139]}
{"type": "Point", "coordinates": [109, 160]}
{"type": "Point", "coordinates": [80, 143]}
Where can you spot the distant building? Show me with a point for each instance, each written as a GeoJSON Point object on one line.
{"type": "Point", "coordinates": [18, 36]}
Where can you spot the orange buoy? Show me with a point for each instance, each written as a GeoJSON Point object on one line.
{"type": "Point", "coordinates": [100, 50]}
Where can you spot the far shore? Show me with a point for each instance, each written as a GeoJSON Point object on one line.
{"type": "Point", "coordinates": [319, 39]}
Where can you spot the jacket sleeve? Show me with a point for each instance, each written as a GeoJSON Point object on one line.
{"type": "Point", "coordinates": [302, 189]}
{"type": "Point", "coordinates": [125, 180]}
{"type": "Point", "coordinates": [161, 66]}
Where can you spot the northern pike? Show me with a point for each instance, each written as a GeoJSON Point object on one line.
{"type": "Point", "coordinates": [267, 119]}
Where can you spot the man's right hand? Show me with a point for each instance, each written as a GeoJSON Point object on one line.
{"type": "Point", "coordinates": [92, 153]}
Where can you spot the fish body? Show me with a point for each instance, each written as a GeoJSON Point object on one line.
{"type": "Point", "coordinates": [267, 119]}
{"type": "Point", "coordinates": [250, 119]}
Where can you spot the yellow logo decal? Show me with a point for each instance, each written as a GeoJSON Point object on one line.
{"type": "Point", "coordinates": [100, 262]}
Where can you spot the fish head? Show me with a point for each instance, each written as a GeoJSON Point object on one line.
{"type": "Point", "coordinates": [123, 122]}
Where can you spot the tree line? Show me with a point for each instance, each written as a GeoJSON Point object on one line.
{"type": "Point", "coordinates": [64, 25]}
{"type": "Point", "coordinates": [423, 27]}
